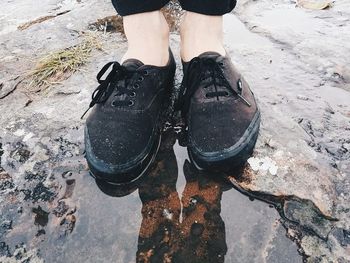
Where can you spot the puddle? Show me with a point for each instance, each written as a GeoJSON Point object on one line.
{"type": "Point", "coordinates": [174, 214]}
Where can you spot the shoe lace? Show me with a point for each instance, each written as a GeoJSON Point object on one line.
{"type": "Point", "coordinates": [110, 84]}
{"type": "Point", "coordinates": [198, 69]}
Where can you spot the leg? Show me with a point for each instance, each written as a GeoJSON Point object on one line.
{"type": "Point", "coordinates": [146, 30]}
{"type": "Point", "coordinates": [221, 112]}
{"type": "Point", "coordinates": [148, 38]}
{"type": "Point", "coordinates": [123, 131]}
{"type": "Point", "coordinates": [200, 33]}
{"type": "Point", "coordinates": [202, 27]}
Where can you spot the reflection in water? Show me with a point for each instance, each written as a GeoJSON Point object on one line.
{"type": "Point", "coordinates": [195, 233]}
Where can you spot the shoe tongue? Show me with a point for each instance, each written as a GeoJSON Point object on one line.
{"type": "Point", "coordinates": [132, 64]}
{"type": "Point", "coordinates": [210, 54]}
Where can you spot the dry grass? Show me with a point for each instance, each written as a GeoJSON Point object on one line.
{"type": "Point", "coordinates": [60, 65]}
{"type": "Point", "coordinates": [108, 24]}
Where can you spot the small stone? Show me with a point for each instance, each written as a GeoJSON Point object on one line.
{"type": "Point", "coordinates": [193, 201]}
{"type": "Point", "coordinates": [273, 170]}
{"type": "Point", "coordinates": [28, 136]}
{"type": "Point", "coordinates": [254, 163]}
{"type": "Point", "coordinates": [301, 97]}
{"type": "Point", "coordinates": [19, 132]}
{"type": "Point", "coordinates": [67, 174]}
{"type": "Point", "coordinates": [167, 214]}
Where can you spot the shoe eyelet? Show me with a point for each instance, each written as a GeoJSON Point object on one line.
{"type": "Point", "coordinates": [141, 78]}
{"type": "Point", "coordinates": [207, 96]}
{"type": "Point", "coordinates": [240, 85]}
{"type": "Point", "coordinates": [222, 64]}
{"type": "Point", "coordinates": [114, 103]}
{"type": "Point", "coordinates": [136, 86]}
{"type": "Point", "coordinates": [226, 94]}
{"type": "Point", "coordinates": [133, 94]}
{"type": "Point", "coordinates": [131, 103]}
{"type": "Point", "coordinates": [146, 73]}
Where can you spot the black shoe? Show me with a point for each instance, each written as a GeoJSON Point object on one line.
{"type": "Point", "coordinates": [123, 133]}
{"type": "Point", "coordinates": [221, 113]}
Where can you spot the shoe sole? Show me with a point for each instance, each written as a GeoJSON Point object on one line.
{"type": "Point", "coordinates": [139, 170]}
{"type": "Point", "coordinates": [231, 158]}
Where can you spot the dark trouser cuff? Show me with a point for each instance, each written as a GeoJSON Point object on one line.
{"type": "Point", "coordinates": [130, 7]}
{"type": "Point", "coordinates": [209, 7]}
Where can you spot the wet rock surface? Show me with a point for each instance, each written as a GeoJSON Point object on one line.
{"type": "Point", "coordinates": [51, 210]}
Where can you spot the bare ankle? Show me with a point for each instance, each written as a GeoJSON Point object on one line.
{"type": "Point", "coordinates": [199, 34]}
{"type": "Point", "coordinates": [148, 38]}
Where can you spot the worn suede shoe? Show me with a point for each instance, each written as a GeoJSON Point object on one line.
{"type": "Point", "coordinates": [221, 113]}
{"type": "Point", "coordinates": [123, 132]}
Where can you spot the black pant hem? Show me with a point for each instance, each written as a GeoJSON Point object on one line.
{"type": "Point", "coordinates": [131, 7]}
{"type": "Point", "coordinates": [205, 7]}
{"type": "Point", "coordinates": [209, 7]}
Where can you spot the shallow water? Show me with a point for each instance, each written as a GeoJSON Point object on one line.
{"type": "Point", "coordinates": [175, 214]}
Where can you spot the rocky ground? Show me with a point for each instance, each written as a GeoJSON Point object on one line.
{"type": "Point", "coordinates": [297, 62]}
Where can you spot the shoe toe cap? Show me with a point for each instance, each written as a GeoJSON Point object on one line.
{"type": "Point", "coordinates": [117, 149]}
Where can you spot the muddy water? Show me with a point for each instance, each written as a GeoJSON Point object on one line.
{"type": "Point", "coordinates": [174, 214]}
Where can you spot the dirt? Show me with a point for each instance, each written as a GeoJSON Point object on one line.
{"type": "Point", "coordinates": [53, 211]}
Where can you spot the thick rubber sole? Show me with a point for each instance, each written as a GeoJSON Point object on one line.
{"type": "Point", "coordinates": [228, 159]}
{"type": "Point", "coordinates": [131, 175]}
